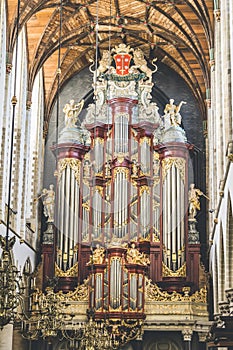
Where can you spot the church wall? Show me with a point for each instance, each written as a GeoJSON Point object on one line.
{"type": "Point", "coordinates": [220, 157]}
{"type": "Point", "coordinates": [221, 243]}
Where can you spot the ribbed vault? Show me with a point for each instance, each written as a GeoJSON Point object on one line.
{"type": "Point", "coordinates": [178, 32]}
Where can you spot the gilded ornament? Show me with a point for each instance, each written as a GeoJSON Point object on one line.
{"type": "Point", "coordinates": [145, 140]}
{"type": "Point", "coordinates": [121, 156]}
{"type": "Point", "coordinates": [81, 293]}
{"type": "Point", "coordinates": [99, 140]}
{"type": "Point", "coordinates": [230, 157]}
{"type": "Point", "coordinates": [134, 256]}
{"type": "Point", "coordinates": [73, 163]}
{"type": "Point", "coordinates": [181, 272]}
{"type": "Point", "coordinates": [155, 235]}
{"type": "Point", "coordinates": [194, 203]}
{"type": "Point", "coordinates": [154, 293]}
{"type": "Point", "coordinates": [156, 156]}
{"type": "Point", "coordinates": [86, 205]}
{"type": "Point", "coordinates": [99, 189]}
{"type": "Point", "coordinates": [143, 189]}
{"type": "Point", "coordinates": [156, 180]}
{"type": "Point", "coordinates": [98, 256]}
{"type": "Point", "coordinates": [121, 170]}
{"type": "Point", "coordinates": [72, 272]}
{"type": "Point", "coordinates": [179, 163]}
{"type": "Point", "coordinates": [155, 204]}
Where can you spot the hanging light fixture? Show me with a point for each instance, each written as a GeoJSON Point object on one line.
{"type": "Point", "coordinates": [46, 318]}
{"type": "Point", "coordinates": [11, 284]}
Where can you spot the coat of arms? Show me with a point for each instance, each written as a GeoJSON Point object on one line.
{"type": "Point", "coordinates": [122, 61]}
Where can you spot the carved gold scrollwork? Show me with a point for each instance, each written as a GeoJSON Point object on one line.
{"type": "Point", "coordinates": [73, 163]}
{"type": "Point", "coordinates": [179, 164]}
{"type": "Point", "coordinates": [145, 139]}
{"type": "Point", "coordinates": [99, 140]}
{"type": "Point", "coordinates": [86, 205]}
{"type": "Point", "coordinates": [81, 293]}
{"type": "Point", "coordinates": [155, 204]}
{"type": "Point", "coordinates": [181, 272]}
{"type": "Point", "coordinates": [100, 190]}
{"type": "Point", "coordinates": [72, 272]}
{"type": "Point", "coordinates": [154, 293]}
{"type": "Point", "coordinates": [121, 156]}
{"type": "Point", "coordinates": [143, 189]}
{"type": "Point", "coordinates": [121, 170]}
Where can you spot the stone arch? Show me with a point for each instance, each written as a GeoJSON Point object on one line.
{"type": "Point", "coordinates": [163, 344]}
{"type": "Point", "coordinates": [27, 269]}
{"type": "Point", "coordinates": [163, 341]}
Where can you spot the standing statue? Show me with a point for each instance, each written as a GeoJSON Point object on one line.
{"type": "Point", "coordinates": [48, 202]}
{"type": "Point", "coordinates": [174, 112]}
{"type": "Point", "coordinates": [141, 63]}
{"type": "Point", "coordinates": [72, 111]}
{"type": "Point", "coordinates": [194, 203]}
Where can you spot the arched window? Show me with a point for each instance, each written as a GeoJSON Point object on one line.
{"type": "Point", "coordinates": [20, 133]}
{"type": "Point", "coordinates": [20, 136]}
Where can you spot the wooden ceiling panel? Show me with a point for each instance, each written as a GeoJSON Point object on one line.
{"type": "Point", "coordinates": [180, 31]}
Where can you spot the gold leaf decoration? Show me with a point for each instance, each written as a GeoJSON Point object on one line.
{"type": "Point", "coordinates": [73, 163]}
{"type": "Point", "coordinates": [72, 272]}
{"type": "Point", "coordinates": [181, 272]}
{"type": "Point", "coordinates": [179, 163]}
{"type": "Point", "coordinates": [154, 293]}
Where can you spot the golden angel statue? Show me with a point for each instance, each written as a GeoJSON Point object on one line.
{"type": "Point", "coordinates": [194, 203]}
{"type": "Point", "coordinates": [72, 112]}
{"type": "Point", "coordinates": [174, 112]}
{"type": "Point", "coordinates": [48, 202]}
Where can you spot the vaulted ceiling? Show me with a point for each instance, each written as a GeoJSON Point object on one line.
{"type": "Point", "coordinates": [178, 32]}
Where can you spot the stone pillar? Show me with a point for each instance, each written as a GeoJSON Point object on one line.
{"type": "Point", "coordinates": [6, 337]}
{"type": "Point", "coordinates": [5, 144]}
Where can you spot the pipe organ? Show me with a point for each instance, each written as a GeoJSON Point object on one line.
{"type": "Point", "coordinates": [122, 177]}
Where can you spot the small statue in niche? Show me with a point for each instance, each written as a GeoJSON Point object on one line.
{"type": "Point", "coordinates": [86, 170]}
{"type": "Point", "coordinates": [156, 167]}
{"type": "Point", "coordinates": [134, 168]}
{"type": "Point", "coordinates": [108, 169]}
{"type": "Point", "coordinates": [48, 202]}
{"type": "Point", "coordinates": [72, 111]}
{"type": "Point", "coordinates": [194, 203]}
{"type": "Point", "coordinates": [173, 112]}
{"type": "Point", "coordinates": [98, 255]}
{"type": "Point", "coordinates": [135, 257]}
